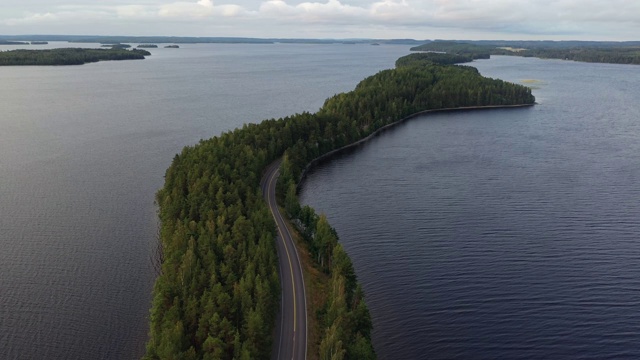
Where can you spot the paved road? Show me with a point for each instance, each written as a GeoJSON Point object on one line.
{"type": "Point", "coordinates": [291, 324]}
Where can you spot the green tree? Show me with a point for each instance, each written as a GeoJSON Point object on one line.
{"type": "Point", "coordinates": [292, 205]}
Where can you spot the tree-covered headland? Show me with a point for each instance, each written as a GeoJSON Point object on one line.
{"type": "Point", "coordinates": [218, 291]}
{"type": "Point", "coordinates": [69, 56]}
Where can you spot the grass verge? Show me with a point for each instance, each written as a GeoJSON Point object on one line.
{"type": "Point", "coordinates": [316, 285]}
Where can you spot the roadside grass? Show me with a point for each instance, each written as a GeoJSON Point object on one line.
{"type": "Point", "coordinates": [316, 285]}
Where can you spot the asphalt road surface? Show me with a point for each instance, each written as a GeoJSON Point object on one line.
{"type": "Point", "coordinates": [291, 323]}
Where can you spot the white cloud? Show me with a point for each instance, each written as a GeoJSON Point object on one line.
{"type": "Point", "coordinates": [395, 10]}
{"type": "Point", "coordinates": [287, 18]}
{"type": "Point", "coordinates": [332, 11]}
{"type": "Point", "coordinates": [185, 9]}
{"type": "Point", "coordinates": [134, 11]}
{"type": "Point", "coordinates": [57, 18]}
{"type": "Point", "coordinates": [198, 10]}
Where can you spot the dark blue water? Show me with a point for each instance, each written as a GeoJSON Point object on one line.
{"type": "Point", "coordinates": [502, 234]}
{"type": "Point", "coordinates": [83, 150]}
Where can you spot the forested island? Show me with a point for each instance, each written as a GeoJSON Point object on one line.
{"type": "Point", "coordinates": [147, 46]}
{"type": "Point", "coordinates": [615, 53]}
{"type": "Point", "coordinates": [218, 291]}
{"type": "Point", "coordinates": [116, 46]}
{"type": "Point", "coordinates": [7, 42]}
{"type": "Point", "coordinates": [68, 56]}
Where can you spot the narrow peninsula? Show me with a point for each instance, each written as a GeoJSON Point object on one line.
{"type": "Point", "coordinates": [218, 293]}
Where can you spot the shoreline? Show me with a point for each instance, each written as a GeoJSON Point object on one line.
{"type": "Point", "coordinates": [348, 328]}
{"type": "Point", "coordinates": [327, 156]}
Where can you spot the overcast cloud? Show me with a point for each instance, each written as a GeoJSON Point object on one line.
{"type": "Point", "coordinates": [426, 19]}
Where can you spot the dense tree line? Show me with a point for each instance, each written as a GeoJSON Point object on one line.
{"type": "Point", "coordinates": [217, 295]}
{"type": "Point", "coordinates": [429, 58]}
{"type": "Point", "coordinates": [218, 291]}
{"type": "Point", "coordinates": [116, 46]}
{"type": "Point", "coordinates": [69, 56]}
{"type": "Point", "coordinates": [7, 42]}
{"type": "Point", "coordinates": [555, 44]}
{"type": "Point", "coordinates": [618, 55]}
{"type": "Point", "coordinates": [345, 318]}
{"type": "Point", "coordinates": [625, 53]}
{"type": "Point", "coordinates": [460, 48]}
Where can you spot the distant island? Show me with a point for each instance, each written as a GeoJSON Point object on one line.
{"type": "Point", "coordinates": [596, 52]}
{"type": "Point", "coordinates": [116, 46]}
{"type": "Point", "coordinates": [172, 47]}
{"type": "Point", "coordinates": [619, 52]}
{"type": "Point", "coordinates": [147, 46]}
{"type": "Point", "coordinates": [39, 42]}
{"type": "Point", "coordinates": [68, 56]}
{"type": "Point", "coordinates": [7, 42]}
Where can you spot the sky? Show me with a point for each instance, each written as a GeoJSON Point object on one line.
{"type": "Point", "coordinates": [339, 19]}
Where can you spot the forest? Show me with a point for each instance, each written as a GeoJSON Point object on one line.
{"type": "Point", "coordinates": [461, 48]}
{"type": "Point", "coordinates": [614, 53]}
{"type": "Point", "coordinates": [69, 56]}
{"type": "Point", "coordinates": [427, 58]}
{"type": "Point", "coordinates": [7, 42]}
{"type": "Point", "coordinates": [116, 46]}
{"type": "Point", "coordinates": [218, 289]}
{"type": "Point", "coordinates": [628, 55]}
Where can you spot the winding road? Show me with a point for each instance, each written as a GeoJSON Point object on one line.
{"type": "Point", "coordinates": [291, 324]}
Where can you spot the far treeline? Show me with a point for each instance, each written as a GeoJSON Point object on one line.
{"type": "Point", "coordinates": [218, 291]}
{"type": "Point", "coordinates": [624, 53]}
{"type": "Point", "coordinates": [70, 56]}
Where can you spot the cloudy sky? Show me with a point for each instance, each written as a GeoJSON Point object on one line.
{"type": "Point", "coordinates": [419, 19]}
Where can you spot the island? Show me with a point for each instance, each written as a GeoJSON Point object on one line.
{"type": "Point", "coordinates": [218, 291]}
{"type": "Point", "coordinates": [116, 46]}
{"type": "Point", "coordinates": [147, 46]}
{"type": "Point", "coordinates": [67, 56]}
{"type": "Point", "coordinates": [8, 42]}
{"type": "Point", "coordinates": [172, 47]}
{"type": "Point", "coordinates": [39, 42]}
{"type": "Point", "coordinates": [597, 52]}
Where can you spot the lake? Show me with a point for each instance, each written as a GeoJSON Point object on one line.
{"type": "Point", "coordinates": [500, 234]}
{"type": "Point", "coordinates": [83, 151]}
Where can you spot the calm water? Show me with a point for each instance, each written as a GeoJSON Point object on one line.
{"type": "Point", "coordinates": [505, 234]}
{"type": "Point", "coordinates": [83, 150]}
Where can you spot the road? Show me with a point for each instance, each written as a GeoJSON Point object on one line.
{"type": "Point", "coordinates": [291, 324]}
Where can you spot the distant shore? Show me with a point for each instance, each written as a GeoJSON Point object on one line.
{"type": "Point", "coordinates": [67, 56]}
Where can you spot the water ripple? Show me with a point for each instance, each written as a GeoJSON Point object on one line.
{"type": "Point", "coordinates": [500, 234]}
